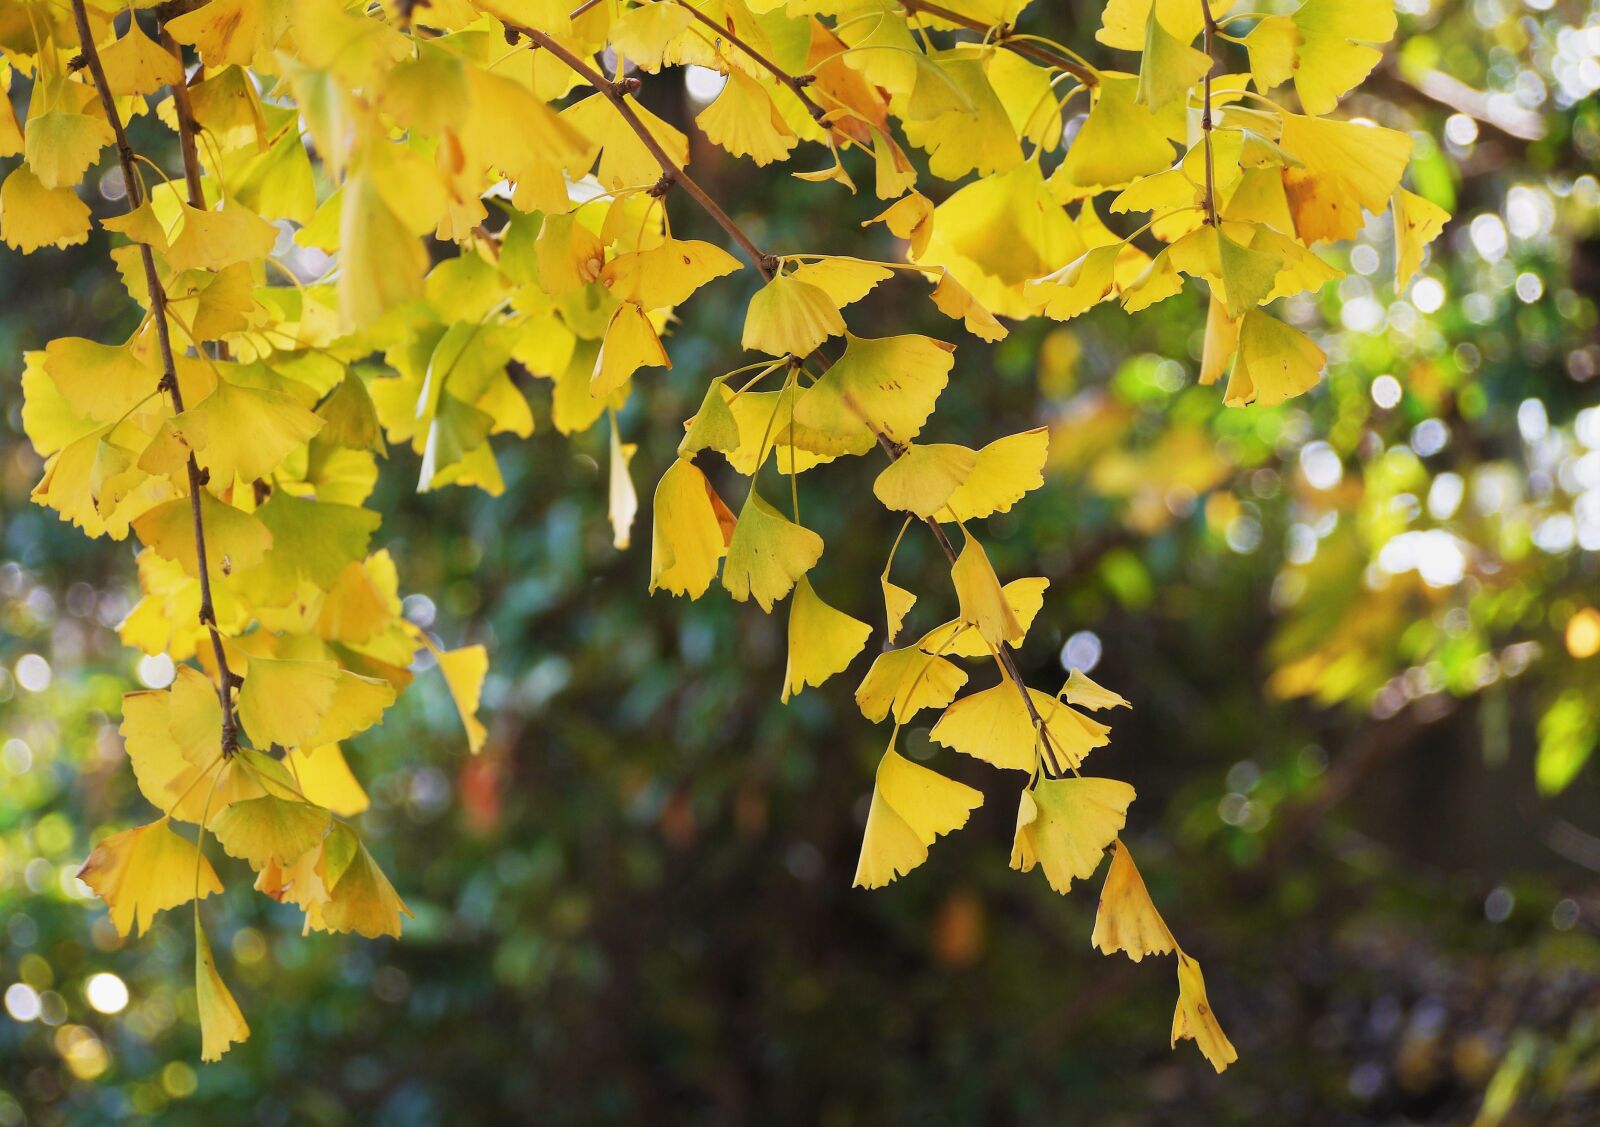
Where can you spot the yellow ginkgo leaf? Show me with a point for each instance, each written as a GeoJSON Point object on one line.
{"type": "Point", "coordinates": [1417, 222]}
{"type": "Point", "coordinates": [790, 317]}
{"type": "Point", "coordinates": [897, 603]}
{"type": "Point", "coordinates": [1123, 22]}
{"type": "Point", "coordinates": [922, 479]}
{"type": "Point", "coordinates": [995, 725]}
{"type": "Point", "coordinates": [1275, 362]}
{"type": "Point", "coordinates": [966, 129]}
{"type": "Point", "coordinates": [570, 256]}
{"type": "Point", "coordinates": [101, 381]}
{"type": "Point", "coordinates": [1344, 167]}
{"type": "Point", "coordinates": [714, 426]}
{"type": "Point", "coordinates": [1126, 919]}
{"type": "Point", "coordinates": [231, 31]}
{"type": "Point", "coordinates": [360, 897]}
{"type": "Point", "coordinates": [744, 121]}
{"type": "Point", "coordinates": [958, 639]}
{"type": "Point", "coordinates": [767, 554]}
{"type": "Point", "coordinates": [283, 702]}
{"type": "Point", "coordinates": [381, 262]}
{"type": "Point", "coordinates": [1120, 141]}
{"type": "Point", "coordinates": [1065, 825]}
{"type": "Point", "coordinates": [1084, 693]}
{"type": "Point", "coordinates": [1194, 1017]}
{"type": "Point", "coordinates": [135, 64]}
{"type": "Point", "coordinates": [624, 160]}
{"type": "Point", "coordinates": [464, 670]}
{"type": "Point", "coordinates": [667, 274]}
{"type": "Point", "coordinates": [213, 240]}
{"type": "Point", "coordinates": [822, 641]}
{"type": "Point", "coordinates": [983, 604]}
{"type": "Point", "coordinates": [885, 386]}
{"type": "Point", "coordinates": [622, 498]}
{"type": "Point", "coordinates": [1171, 66]}
{"type": "Point", "coordinates": [1335, 47]}
{"type": "Point", "coordinates": [59, 145]}
{"type": "Point", "coordinates": [911, 808]}
{"type": "Point", "coordinates": [268, 829]}
{"type": "Point", "coordinates": [146, 870]}
{"type": "Point", "coordinates": [34, 216]}
{"type": "Point", "coordinates": [1079, 285]}
{"type": "Point", "coordinates": [845, 280]}
{"type": "Point", "coordinates": [1273, 45]}
{"type": "Point", "coordinates": [630, 343]}
{"type": "Point", "coordinates": [905, 681]}
{"type": "Point", "coordinates": [1002, 474]}
{"type": "Point", "coordinates": [326, 780]}
{"type": "Point", "coordinates": [687, 536]}
{"type": "Point", "coordinates": [221, 1022]}
{"type": "Point", "coordinates": [909, 218]}
{"type": "Point", "coordinates": [952, 299]}
{"type": "Point", "coordinates": [244, 432]}
{"type": "Point", "coordinates": [357, 704]}
{"type": "Point", "coordinates": [234, 540]}
{"type": "Point", "coordinates": [1221, 342]}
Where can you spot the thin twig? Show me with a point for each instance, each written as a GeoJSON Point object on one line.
{"type": "Point", "coordinates": [1035, 51]}
{"type": "Point", "coordinates": [1205, 113]}
{"type": "Point", "coordinates": [169, 367]}
{"type": "Point", "coordinates": [796, 85]}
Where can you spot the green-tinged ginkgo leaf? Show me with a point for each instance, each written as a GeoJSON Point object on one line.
{"type": "Point", "coordinates": [244, 432]}
{"type": "Point", "coordinates": [1417, 222]}
{"type": "Point", "coordinates": [221, 1022]}
{"type": "Point", "coordinates": [1126, 919]}
{"type": "Point", "coordinates": [1275, 362]}
{"type": "Point", "coordinates": [880, 387]}
{"type": "Point", "coordinates": [101, 381]}
{"type": "Point", "coordinates": [265, 829]}
{"type": "Point", "coordinates": [713, 427]}
{"type": "Point", "coordinates": [283, 702]}
{"type": "Point", "coordinates": [1002, 474]}
{"type": "Point", "coordinates": [360, 897]}
{"type": "Point", "coordinates": [822, 641]}
{"type": "Point", "coordinates": [1335, 51]}
{"type": "Point", "coordinates": [146, 870]}
{"type": "Point", "coordinates": [1194, 1017]}
{"type": "Point", "coordinates": [911, 808]}
{"type": "Point", "coordinates": [1170, 67]}
{"type": "Point", "coordinates": [1065, 825]}
{"type": "Point", "coordinates": [234, 540]}
{"type": "Point", "coordinates": [34, 216]}
{"type": "Point", "coordinates": [922, 479]}
{"type": "Point", "coordinates": [61, 145]}
{"type": "Point", "coordinates": [1120, 141]}
{"type": "Point", "coordinates": [790, 317]}
{"type": "Point", "coordinates": [983, 604]}
{"type": "Point", "coordinates": [212, 240]}
{"type": "Point", "coordinates": [1248, 275]}
{"type": "Point", "coordinates": [767, 554]}
{"type": "Point", "coordinates": [905, 681]}
{"type": "Point", "coordinates": [689, 532]}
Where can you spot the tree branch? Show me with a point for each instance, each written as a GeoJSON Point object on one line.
{"type": "Point", "coordinates": [1029, 50]}
{"type": "Point", "coordinates": [795, 85]}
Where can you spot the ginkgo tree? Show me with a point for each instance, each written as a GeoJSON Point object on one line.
{"type": "Point", "coordinates": [489, 200]}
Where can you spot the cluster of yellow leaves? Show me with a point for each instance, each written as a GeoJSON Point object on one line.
{"type": "Point", "coordinates": [298, 306]}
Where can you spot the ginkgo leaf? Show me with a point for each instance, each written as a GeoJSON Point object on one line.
{"type": "Point", "coordinates": [221, 1022]}
{"type": "Point", "coordinates": [464, 670]}
{"type": "Point", "coordinates": [897, 603]}
{"type": "Point", "coordinates": [1275, 362]}
{"type": "Point", "coordinates": [1335, 52]}
{"type": "Point", "coordinates": [283, 702]}
{"type": "Point", "coordinates": [213, 240]}
{"type": "Point", "coordinates": [1081, 691]}
{"type": "Point", "coordinates": [885, 386]}
{"type": "Point", "coordinates": [667, 274]}
{"type": "Point", "coordinates": [146, 870]}
{"type": "Point", "coordinates": [244, 432]}
{"type": "Point", "coordinates": [910, 218]}
{"type": "Point", "coordinates": [622, 498]}
{"type": "Point", "coordinates": [845, 280]}
{"type": "Point", "coordinates": [1079, 285]}
{"type": "Point", "coordinates": [234, 540]}
{"type": "Point", "coordinates": [790, 317]}
{"type": "Point", "coordinates": [958, 639]}
{"type": "Point", "coordinates": [983, 604]}
{"type": "Point", "coordinates": [326, 780]}
{"type": "Point", "coordinates": [911, 808]}
{"type": "Point", "coordinates": [1065, 825]}
{"type": "Point", "coordinates": [570, 256]}
{"type": "Point", "coordinates": [1170, 66]}
{"type": "Point", "coordinates": [630, 343]}
{"type": "Point", "coordinates": [822, 641]}
{"type": "Point", "coordinates": [100, 381]}
{"type": "Point", "coordinates": [1417, 222]}
{"type": "Point", "coordinates": [1126, 919]}
{"type": "Point", "coordinates": [1120, 141]}
{"type": "Point", "coordinates": [1194, 1017]}
{"type": "Point", "coordinates": [1221, 342]}
{"type": "Point", "coordinates": [743, 120]}
{"type": "Point", "coordinates": [1344, 167]}
{"type": "Point", "coordinates": [360, 897]}
{"type": "Point", "coordinates": [996, 726]}
{"type": "Point", "coordinates": [905, 681]}
{"type": "Point", "coordinates": [767, 554]}
{"type": "Point", "coordinates": [135, 64]}
{"type": "Point", "coordinates": [34, 216]}
{"type": "Point", "coordinates": [1123, 22]}
{"type": "Point", "coordinates": [230, 31]}
{"type": "Point", "coordinates": [1273, 44]}
{"type": "Point", "coordinates": [952, 299]}
{"type": "Point", "coordinates": [688, 536]}
{"type": "Point", "coordinates": [267, 829]}
{"type": "Point", "coordinates": [714, 426]}
{"type": "Point", "coordinates": [1003, 473]}
{"type": "Point", "coordinates": [357, 704]}
{"type": "Point", "coordinates": [922, 479]}
{"type": "Point", "coordinates": [1248, 275]}
{"type": "Point", "coordinates": [60, 145]}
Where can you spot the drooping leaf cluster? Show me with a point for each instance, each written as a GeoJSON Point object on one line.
{"type": "Point", "coordinates": [389, 214]}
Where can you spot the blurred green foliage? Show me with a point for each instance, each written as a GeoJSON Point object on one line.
{"type": "Point", "coordinates": [1358, 632]}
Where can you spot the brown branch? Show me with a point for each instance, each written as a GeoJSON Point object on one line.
{"type": "Point", "coordinates": [169, 368]}
{"type": "Point", "coordinates": [1035, 51]}
{"type": "Point", "coordinates": [1206, 124]}
{"type": "Point", "coordinates": [796, 86]}
{"type": "Point", "coordinates": [183, 110]}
